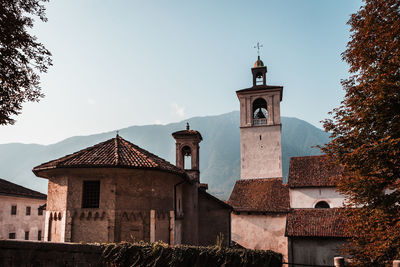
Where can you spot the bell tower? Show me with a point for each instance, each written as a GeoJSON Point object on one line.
{"type": "Point", "coordinates": [260, 127]}
{"type": "Point", "coordinates": [187, 151]}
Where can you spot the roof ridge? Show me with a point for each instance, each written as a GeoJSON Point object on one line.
{"type": "Point", "coordinates": [116, 150]}
{"type": "Point", "coordinates": [143, 152]}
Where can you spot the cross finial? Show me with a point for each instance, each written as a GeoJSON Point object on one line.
{"type": "Point", "coordinates": [187, 126]}
{"type": "Point", "coordinates": [117, 133]}
{"type": "Point", "coordinates": [258, 46]}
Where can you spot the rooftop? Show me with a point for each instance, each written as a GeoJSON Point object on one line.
{"type": "Point", "coordinates": [315, 223]}
{"type": "Point", "coordinates": [10, 189]}
{"type": "Point", "coordinates": [266, 195]}
{"type": "Point", "coordinates": [313, 171]}
{"type": "Point", "coordinates": [113, 153]}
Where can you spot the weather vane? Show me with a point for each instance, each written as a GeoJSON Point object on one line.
{"type": "Point", "coordinates": [258, 46]}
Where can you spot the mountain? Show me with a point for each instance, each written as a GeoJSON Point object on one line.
{"type": "Point", "coordinates": [219, 150]}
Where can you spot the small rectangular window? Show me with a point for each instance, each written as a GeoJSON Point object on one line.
{"type": "Point", "coordinates": [40, 211]}
{"type": "Point", "coordinates": [39, 235]}
{"type": "Point", "coordinates": [28, 210]}
{"type": "Point", "coordinates": [91, 194]}
{"type": "Point", "coordinates": [27, 235]}
{"type": "Point", "coordinates": [14, 210]}
{"type": "Point", "coordinates": [11, 235]}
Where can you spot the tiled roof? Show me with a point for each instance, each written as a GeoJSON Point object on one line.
{"type": "Point", "coordinates": [186, 133]}
{"type": "Point", "coordinates": [260, 195]}
{"type": "Point", "coordinates": [315, 223]}
{"type": "Point", "coordinates": [115, 152]}
{"type": "Point", "coordinates": [313, 171]}
{"type": "Point", "coordinates": [217, 200]}
{"type": "Point", "coordinates": [11, 189]}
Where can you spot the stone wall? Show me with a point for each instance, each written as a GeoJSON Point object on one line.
{"type": "Point", "coordinates": [48, 254]}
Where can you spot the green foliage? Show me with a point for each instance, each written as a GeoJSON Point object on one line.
{"type": "Point", "coordinates": [366, 133]}
{"type": "Point", "coordinates": [21, 56]}
{"type": "Point", "coordinates": [160, 254]}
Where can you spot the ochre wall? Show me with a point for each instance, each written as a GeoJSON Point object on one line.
{"type": "Point", "coordinates": [260, 232]}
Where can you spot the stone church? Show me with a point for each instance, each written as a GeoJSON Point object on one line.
{"type": "Point", "coordinates": [299, 219]}
{"type": "Point", "coordinates": [116, 191]}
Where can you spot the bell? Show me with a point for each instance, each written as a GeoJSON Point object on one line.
{"type": "Point", "coordinates": [260, 114]}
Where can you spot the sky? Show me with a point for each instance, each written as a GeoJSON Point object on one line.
{"type": "Point", "coordinates": [121, 63]}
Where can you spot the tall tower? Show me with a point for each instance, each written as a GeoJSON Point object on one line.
{"type": "Point", "coordinates": [187, 147]}
{"type": "Point", "coordinates": [260, 127]}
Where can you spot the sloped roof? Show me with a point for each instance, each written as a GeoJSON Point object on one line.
{"type": "Point", "coordinates": [113, 153]}
{"type": "Point", "coordinates": [313, 171]}
{"type": "Point", "coordinates": [315, 223]}
{"type": "Point", "coordinates": [217, 200]}
{"type": "Point", "coordinates": [11, 189]}
{"type": "Point", "coordinates": [260, 195]}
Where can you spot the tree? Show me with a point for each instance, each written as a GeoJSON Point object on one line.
{"type": "Point", "coordinates": [22, 58]}
{"type": "Point", "coordinates": [365, 134]}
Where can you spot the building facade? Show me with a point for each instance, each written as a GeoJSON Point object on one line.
{"type": "Point", "coordinates": [116, 191]}
{"type": "Point", "coordinates": [21, 212]}
{"type": "Point", "coordinates": [299, 219]}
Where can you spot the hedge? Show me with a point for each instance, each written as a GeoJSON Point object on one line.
{"type": "Point", "coordinates": [160, 254]}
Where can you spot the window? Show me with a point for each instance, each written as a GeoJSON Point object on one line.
{"type": "Point", "coordinates": [14, 210]}
{"type": "Point", "coordinates": [260, 112]}
{"type": "Point", "coordinates": [187, 157]}
{"type": "Point", "coordinates": [11, 235]}
{"type": "Point", "coordinates": [28, 210]}
{"type": "Point", "coordinates": [39, 235]}
{"type": "Point", "coordinates": [91, 194]}
{"type": "Point", "coordinates": [322, 205]}
{"type": "Point", "coordinates": [27, 235]}
{"type": "Point", "coordinates": [40, 211]}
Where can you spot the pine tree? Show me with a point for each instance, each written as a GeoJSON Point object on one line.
{"type": "Point", "coordinates": [365, 132]}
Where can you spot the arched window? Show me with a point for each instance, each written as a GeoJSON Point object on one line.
{"type": "Point", "coordinates": [260, 112]}
{"type": "Point", "coordinates": [322, 205]}
{"type": "Point", "coordinates": [187, 158]}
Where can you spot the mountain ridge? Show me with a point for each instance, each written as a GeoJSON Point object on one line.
{"type": "Point", "coordinates": [219, 151]}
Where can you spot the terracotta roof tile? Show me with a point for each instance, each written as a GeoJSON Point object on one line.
{"type": "Point", "coordinates": [315, 223]}
{"type": "Point", "coordinates": [313, 171]}
{"type": "Point", "coordinates": [260, 195]}
{"type": "Point", "coordinates": [115, 152]}
{"type": "Point", "coordinates": [11, 189]}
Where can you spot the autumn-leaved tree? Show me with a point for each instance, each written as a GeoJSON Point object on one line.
{"type": "Point", "coordinates": [366, 133]}
{"type": "Point", "coordinates": [22, 58]}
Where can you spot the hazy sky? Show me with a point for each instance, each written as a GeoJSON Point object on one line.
{"type": "Point", "coordinates": [123, 63]}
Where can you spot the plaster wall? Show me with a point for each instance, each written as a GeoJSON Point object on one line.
{"type": "Point", "coordinates": [265, 232]}
{"type": "Point", "coordinates": [308, 197]}
{"type": "Point", "coordinates": [20, 223]}
{"type": "Point", "coordinates": [314, 251]}
{"type": "Point", "coordinates": [214, 220]}
{"type": "Point", "coordinates": [261, 153]}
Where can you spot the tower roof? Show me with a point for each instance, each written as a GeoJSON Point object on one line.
{"type": "Point", "coordinates": [113, 153]}
{"type": "Point", "coordinates": [187, 133]}
{"type": "Point", "coordinates": [258, 63]}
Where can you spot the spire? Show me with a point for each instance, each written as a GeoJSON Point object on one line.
{"type": "Point", "coordinates": [187, 126]}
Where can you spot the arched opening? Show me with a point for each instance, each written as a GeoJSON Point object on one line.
{"type": "Point", "coordinates": [260, 112]}
{"type": "Point", "coordinates": [187, 158]}
{"type": "Point", "coordinates": [322, 205]}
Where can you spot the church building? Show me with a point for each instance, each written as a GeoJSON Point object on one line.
{"type": "Point", "coordinates": [299, 219]}
{"type": "Point", "coordinates": [116, 191]}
